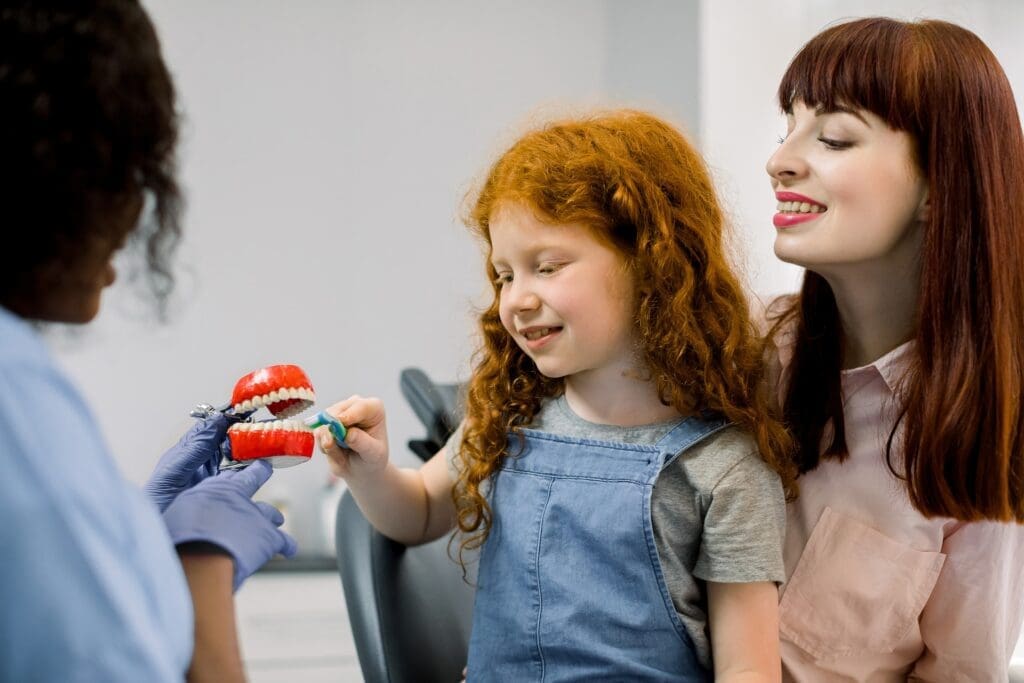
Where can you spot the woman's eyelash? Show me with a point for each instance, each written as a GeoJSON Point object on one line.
{"type": "Point", "coordinates": [831, 143]}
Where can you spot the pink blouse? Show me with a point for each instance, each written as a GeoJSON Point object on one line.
{"type": "Point", "coordinates": [874, 590]}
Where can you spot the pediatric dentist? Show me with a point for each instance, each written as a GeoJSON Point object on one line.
{"type": "Point", "coordinates": [91, 585]}
{"type": "Point", "coordinates": [900, 187]}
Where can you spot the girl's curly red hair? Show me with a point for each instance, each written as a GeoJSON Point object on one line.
{"type": "Point", "coordinates": [642, 188]}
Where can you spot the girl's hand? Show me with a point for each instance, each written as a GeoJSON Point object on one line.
{"type": "Point", "coordinates": [366, 438]}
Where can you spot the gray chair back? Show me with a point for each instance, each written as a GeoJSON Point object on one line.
{"type": "Point", "coordinates": [409, 608]}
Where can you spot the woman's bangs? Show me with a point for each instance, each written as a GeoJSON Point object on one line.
{"type": "Point", "coordinates": [849, 67]}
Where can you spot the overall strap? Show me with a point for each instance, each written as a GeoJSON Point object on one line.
{"type": "Point", "coordinates": [689, 432]}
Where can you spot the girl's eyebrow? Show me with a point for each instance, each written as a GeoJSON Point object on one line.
{"type": "Point", "coordinates": [537, 251]}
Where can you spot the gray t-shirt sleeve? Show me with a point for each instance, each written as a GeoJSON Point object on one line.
{"type": "Point", "coordinates": [744, 526]}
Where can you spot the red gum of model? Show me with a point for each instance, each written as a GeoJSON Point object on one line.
{"type": "Point", "coordinates": [268, 379]}
{"type": "Point", "coordinates": [252, 445]}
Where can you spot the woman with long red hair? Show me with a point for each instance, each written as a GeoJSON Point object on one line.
{"type": "Point", "coordinates": [619, 461]}
{"type": "Point", "coordinates": [900, 184]}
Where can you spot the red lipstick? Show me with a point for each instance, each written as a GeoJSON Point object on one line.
{"type": "Point", "coordinates": [794, 197]}
{"type": "Point", "coordinates": [787, 219]}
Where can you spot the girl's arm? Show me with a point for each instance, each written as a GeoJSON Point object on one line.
{"type": "Point", "coordinates": [411, 506]}
{"type": "Point", "coordinates": [744, 623]}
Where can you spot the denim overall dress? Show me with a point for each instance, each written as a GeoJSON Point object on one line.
{"type": "Point", "coordinates": [570, 586]}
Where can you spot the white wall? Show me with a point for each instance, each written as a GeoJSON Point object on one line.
{"type": "Point", "coordinates": [746, 47]}
{"type": "Point", "coordinates": [327, 149]}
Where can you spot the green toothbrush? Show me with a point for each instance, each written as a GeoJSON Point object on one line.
{"type": "Point", "coordinates": [322, 419]}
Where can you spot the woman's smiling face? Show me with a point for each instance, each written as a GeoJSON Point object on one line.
{"type": "Point", "coordinates": [849, 191]}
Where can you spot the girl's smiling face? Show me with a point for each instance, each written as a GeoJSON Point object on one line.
{"type": "Point", "coordinates": [566, 298]}
{"type": "Point", "coordinates": [849, 192]}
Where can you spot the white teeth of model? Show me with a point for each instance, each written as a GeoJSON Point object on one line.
{"type": "Point", "coordinates": [292, 393]}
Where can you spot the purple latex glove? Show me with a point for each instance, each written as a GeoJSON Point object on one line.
{"type": "Point", "coordinates": [219, 510]}
{"type": "Point", "coordinates": [194, 458]}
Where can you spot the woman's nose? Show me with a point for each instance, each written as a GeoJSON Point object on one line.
{"type": "Point", "coordinates": [786, 163]}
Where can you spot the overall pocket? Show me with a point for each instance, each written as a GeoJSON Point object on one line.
{"type": "Point", "coordinates": [855, 590]}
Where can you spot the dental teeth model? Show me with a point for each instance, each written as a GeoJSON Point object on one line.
{"type": "Point", "coordinates": [284, 390]}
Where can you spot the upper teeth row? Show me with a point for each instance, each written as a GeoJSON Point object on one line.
{"type": "Point", "coordinates": [799, 207]}
{"type": "Point", "coordinates": [275, 396]}
{"type": "Point", "coordinates": [287, 425]}
{"type": "Point", "coordinates": [537, 334]}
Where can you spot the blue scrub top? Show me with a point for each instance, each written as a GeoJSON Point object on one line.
{"type": "Point", "coordinates": [90, 586]}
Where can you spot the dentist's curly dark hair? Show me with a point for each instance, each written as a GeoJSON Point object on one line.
{"type": "Point", "coordinates": [89, 128]}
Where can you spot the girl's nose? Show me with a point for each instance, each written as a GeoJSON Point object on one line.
{"type": "Point", "coordinates": [521, 297]}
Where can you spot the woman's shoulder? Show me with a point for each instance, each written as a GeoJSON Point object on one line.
{"type": "Point", "coordinates": [776, 320]}
{"type": "Point", "coordinates": [767, 312]}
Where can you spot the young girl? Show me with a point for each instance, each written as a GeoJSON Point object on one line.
{"type": "Point", "coordinates": [617, 456]}
{"type": "Point", "coordinates": [901, 189]}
